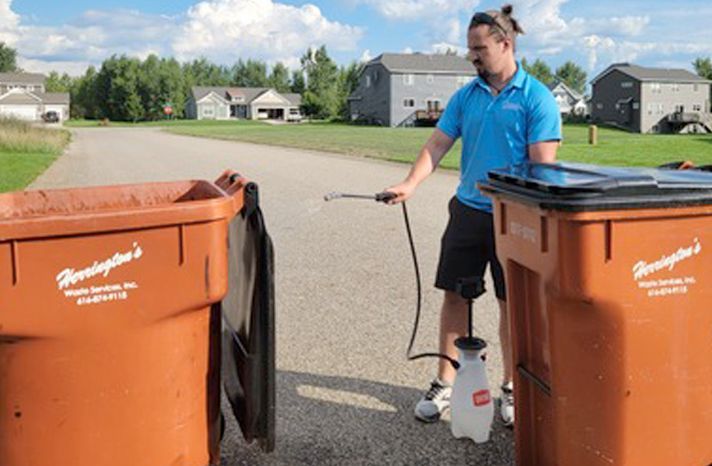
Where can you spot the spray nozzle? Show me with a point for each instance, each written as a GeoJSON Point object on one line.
{"type": "Point", "coordinates": [384, 196]}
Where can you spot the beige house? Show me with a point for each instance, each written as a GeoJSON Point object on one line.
{"type": "Point", "coordinates": [651, 100]}
{"type": "Point", "coordinates": [570, 102]}
{"type": "Point", "coordinates": [23, 96]}
{"type": "Point", "coordinates": [252, 103]}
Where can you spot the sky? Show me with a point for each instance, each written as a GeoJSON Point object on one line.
{"type": "Point", "coordinates": [70, 35]}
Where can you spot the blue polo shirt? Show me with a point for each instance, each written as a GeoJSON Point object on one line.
{"type": "Point", "coordinates": [496, 130]}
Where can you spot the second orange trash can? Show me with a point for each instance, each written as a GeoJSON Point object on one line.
{"type": "Point", "coordinates": [609, 291]}
{"type": "Point", "coordinates": [110, 308]}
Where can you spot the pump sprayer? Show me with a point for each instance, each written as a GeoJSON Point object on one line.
{"type": "Point", "coordinates": [471, 405]}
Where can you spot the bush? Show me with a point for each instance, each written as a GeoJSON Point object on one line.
{"type": "Point", "coordinates": [21, 136]}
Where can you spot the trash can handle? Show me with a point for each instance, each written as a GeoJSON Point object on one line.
{"type": "Point", "coordinates": [233, 184]}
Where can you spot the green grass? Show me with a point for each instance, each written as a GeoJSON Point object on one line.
{"type": "Point", "coordinates": [26, 151]}
{"type": "Point", "coordinates": [160, 123]}
{"type": "Point", "coordinates": [615, 147]}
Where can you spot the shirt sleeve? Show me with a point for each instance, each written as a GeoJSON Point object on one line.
{"type": "Point", "coordinates": [450, 122]}
{"type": "Point", "coordinates": [543, 118]}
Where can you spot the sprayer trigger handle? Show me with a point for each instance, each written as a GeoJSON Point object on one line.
{"type": "Point", "coordinates": [385, 196]}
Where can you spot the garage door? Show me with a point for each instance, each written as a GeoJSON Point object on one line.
{"type": "Point", "coordinates": [23, 112]}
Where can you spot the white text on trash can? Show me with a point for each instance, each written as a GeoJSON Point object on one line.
{"type": "Point", "coordinates": [71, 276]}
{"type": "Point", "coordinates": [669, 285]}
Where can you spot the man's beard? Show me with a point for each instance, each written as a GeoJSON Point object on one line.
{"type": "Point", "coordinates": [481, 70]}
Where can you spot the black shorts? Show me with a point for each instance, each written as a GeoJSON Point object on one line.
{"type": "Point", "coordinates": [467, 247]}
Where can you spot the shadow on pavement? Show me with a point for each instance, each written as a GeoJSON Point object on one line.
{"type": "Point", "coordinates": [326, 420]}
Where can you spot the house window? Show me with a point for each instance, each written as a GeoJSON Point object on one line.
{"type": "Point", "coordinates": [430, 79]}
{"type": "Point", "coordinates": [375, 76]}
{"type": "Point", "coordinates": [408, 79]}
{"type": "Point", "coordinates": [599, 106]}
{"type": "Point", "coordinates": [661, 109]}
{"type": "Point", "coordinates": [636, 105]}
{"type": "Point", "coordinates": [433, 105]}
{"type": "Point", "coordinates": [651, 107]}
{"type": "Point", "coordinates": [679, 108]}
{"type": "Point", "coordinates": [627, 84]}
{"type": "Point", "coordinates": [695, 87]}
{"type": "Point", "coordinates": [208, 111]}
{"type": "Point", "coordinates": [655, 88]}
{"type": "Point", "coordinates": [697, 108]}
{"type": "Point", "coordinates": [676, 87]}
{"type": "Point", "coordinates": [368, 81]}
{"type": "Point", "coordinates": [408, 103]}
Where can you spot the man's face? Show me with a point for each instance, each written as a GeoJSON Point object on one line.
{"type": "Point", "coordinates": [488, 54]}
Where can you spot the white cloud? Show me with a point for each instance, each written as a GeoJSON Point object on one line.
{"type": "Point", "coordinates": [221, 30]}
{"type": "Point", "coordinates": [9, 22]}
{"type": "Point", "coordinates": [407, 50]}
{"type": "Point", "coordinates": [445, 47]}
{"type": "Point", "coordinates": [454, 31]}
{"type": "Point", "coordinates": [419, 9]}
{"type": "Point", "coordinates": [72, 68]}
{"type": "Point", "coordinates": [366, 56]}
{"type": "Point", "coordinates": [225, 30]}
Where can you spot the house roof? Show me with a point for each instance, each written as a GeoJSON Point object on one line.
{"type": "Point", "coordinates": [249, 93]}
{"type": "Point", "coordinates": [294, 99]}
{"type": "Point", "coordinates": [641, 73]}
{"type": "Point", "coordinates": [20, 97]}
{"type": "Point", "coordinates": [575, 95]}
{"type": "Point", "coordinates": [22, 78]}
{"type": "Point", "coordinates": [424, 63]}
{"type": "Point", "coordinates": [56, 98]}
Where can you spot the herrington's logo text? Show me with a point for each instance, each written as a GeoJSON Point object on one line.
{"type": "Point", "coordinates": [70, 276]}
{"type": "Point", "coordinates": [642, 269]}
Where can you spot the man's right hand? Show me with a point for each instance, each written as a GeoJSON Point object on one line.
{"type": "Point", "coordinates": [403, 191]}
{"type": "Point", "coordinates": [428, 158]}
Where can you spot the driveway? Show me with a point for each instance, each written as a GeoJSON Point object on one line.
{"type": "Point", "coordinates": [345, 294]}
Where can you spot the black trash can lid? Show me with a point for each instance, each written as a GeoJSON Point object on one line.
{"type": "Point", "coordinates": [582, 187]}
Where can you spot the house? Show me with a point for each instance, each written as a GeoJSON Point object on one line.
{"type": "Point", "coordinates": [571, 103]}
{"type": "Point", "coordinates": [651, 100]}
{"type": "Point", "coordinates": [252, 103]}
{"type": "Point", "coordinates": [23, 96]}
{"type": "Point", "coordinates": [407, 89]}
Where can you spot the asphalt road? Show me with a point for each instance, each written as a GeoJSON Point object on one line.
{"type": "Point", "coordinates": [345, 294]}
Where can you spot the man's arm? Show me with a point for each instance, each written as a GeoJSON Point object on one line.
{"type": "Point", "coordinates": [543, 152]}
{"type": "Point", "coordinates": [428, 159]}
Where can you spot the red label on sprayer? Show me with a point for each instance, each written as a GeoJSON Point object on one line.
{"type": "Point", "coordinates": [481, 398]}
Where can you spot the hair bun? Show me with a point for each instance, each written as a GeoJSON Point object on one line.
{"type": "Point", "coordinates": [507, 9]}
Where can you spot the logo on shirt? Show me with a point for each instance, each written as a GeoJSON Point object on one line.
{"type": "Point", "coordinates": [511, 106]}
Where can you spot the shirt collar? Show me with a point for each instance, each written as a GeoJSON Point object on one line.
{"type": "Point", "coordinates": [516, 81]}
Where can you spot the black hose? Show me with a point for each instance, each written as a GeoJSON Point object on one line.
{"type": "Point", "coordinates": [410, 356]}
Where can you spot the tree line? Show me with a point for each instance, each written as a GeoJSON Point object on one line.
{"type": "Point", "coordinates": [129, 89]}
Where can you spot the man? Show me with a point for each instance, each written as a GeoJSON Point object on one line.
{"type": "Point", "coordinates": [504, 117]}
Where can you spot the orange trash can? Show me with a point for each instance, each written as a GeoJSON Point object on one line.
{"type": "Point", "coordinates": [610, 299]}
{"type": "Point", "coordinates": [110, 330]}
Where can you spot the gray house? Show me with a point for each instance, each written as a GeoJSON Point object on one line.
{"type": "Point", "coordinates": [651, 100]}
{"type": "Point", "coordinates": [252, 103]}
{"type": "Point", "coordinates": [571, 103]}
{"type": "Point", "coordinates": [23, 96]}
{"type": "Point", "coordinates": [397, 89]}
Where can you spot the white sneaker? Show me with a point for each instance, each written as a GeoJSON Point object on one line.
{"type": "Point", "coordinates": [435, 401]}
{"type": "Point", "coordinates": [506, 404]}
